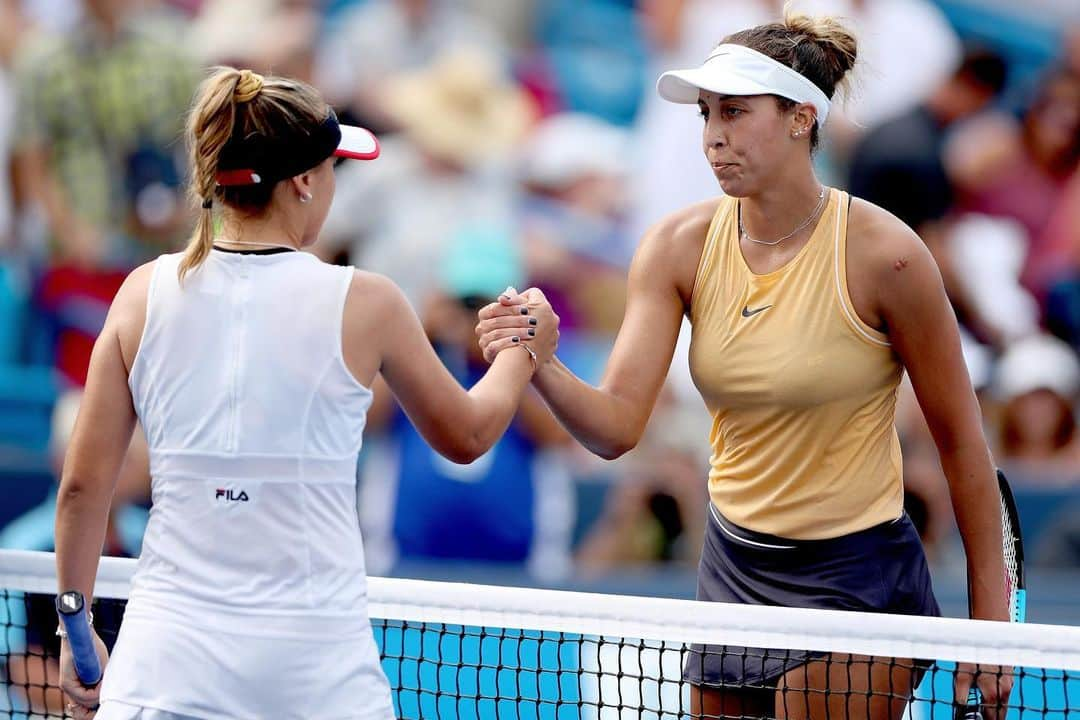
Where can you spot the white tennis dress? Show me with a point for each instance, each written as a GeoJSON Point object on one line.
{"type": "Point", "coordinates": [250, 597]}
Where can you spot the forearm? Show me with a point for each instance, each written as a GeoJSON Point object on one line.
{"type": "Point", "coordinates": [494, 401]}
{"type": "Point", "coordinates": [973, 488]}
{"type": "Point", "coordinates": [81, 518]}
{"type": "Point", "coordinates": [537, 422]}
{"type": "Point", "coordinates": [598, 419]}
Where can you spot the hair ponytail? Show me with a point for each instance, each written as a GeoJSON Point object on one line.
{"type": "Point", "coordinates": [209, 127]}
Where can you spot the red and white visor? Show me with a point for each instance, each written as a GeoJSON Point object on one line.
{"type": "Point", "coordinates": [357, 144]}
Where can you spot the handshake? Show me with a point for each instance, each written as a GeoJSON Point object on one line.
{"type": "Point", "coordinates": [519, 319]}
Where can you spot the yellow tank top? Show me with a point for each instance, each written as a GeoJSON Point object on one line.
{"type": "Point", "coordinates": [801, 391]}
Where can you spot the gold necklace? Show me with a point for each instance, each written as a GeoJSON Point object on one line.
{"type": "Point", "coordinates": [256, 244]}
{"type": "Point", "coordinates": [817, 209]}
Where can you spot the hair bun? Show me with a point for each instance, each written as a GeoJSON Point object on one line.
{"type": "Point", "coordinates": [248, 86]}
{"type": "Point", "coordinates": [836, 41]}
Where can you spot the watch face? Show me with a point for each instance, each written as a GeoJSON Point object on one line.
{"type": "Point", "coordinates": [69, 602]}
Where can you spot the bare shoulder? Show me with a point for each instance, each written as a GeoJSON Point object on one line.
{"type": "Point", "coordinates": [892, 275]}
{"type": "Point", "coordinates": [372, 288]}
{"type": "Point", "coordinates": [127, 314]}
{"type": "Point", "coordinates": [684, 227]}
{"type": "Point", "coordinates": [372, 304]}
{"type": "Point", "coordinates": [671, 248]}
{"type": "Point", "coordinates": [129, 305]}
{"type": "Point", "coordinates": [376, 311]}
{"type": "Point", "coordinates": [136, 285]}
{"type": "Point", "coordinates": [881, 245]}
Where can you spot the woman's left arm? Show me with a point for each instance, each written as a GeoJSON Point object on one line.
{"type": "Point", "coordinates": [922, 328]}
{"type": "Point", "coordinates": [911, 304]}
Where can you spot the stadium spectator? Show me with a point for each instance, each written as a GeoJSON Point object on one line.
{"type": "Point", "coordinates": [1063, 296]}
{"type": "Point", "coordinates": [574, 171]}
{"type": "Point", "coordinates": [376, 41]}
{"type": "Point", "coordinates": [981, 259]}
{"type": "Point", "coordinates": [12, 26]}
{"type": "Point", "coordinates": [1038, 381]}
{"type": "Point", "coordinates": [651, 512]}
{"type": "Point", "coordinates": [897, 164]}
{"type": "Point", "coordinates": [589, 56]}
{"type": "Point", "coordinates": [514, 505]}
{"type": "Point", "coordinates": [889, 78]}
{"type": "Point", "coordinates": [1022, 172]}
{"type": "Point", "coordinates": [100, 114]}
{"type": "Point", "coordinates": [276, 36]}
{"type": "Point", "coordinates": [127, 515]}
{"type": "Point", "coordinates": [12, 300]}
{"type": "Point", "coordinates": [97, 141]}
{"type": "Point", "coordinates": [448, 168]}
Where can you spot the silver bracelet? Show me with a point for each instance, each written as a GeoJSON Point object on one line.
{"type": "Point", "coordinates": [62, 633]}
{"type": "Point", "coordinates": [532, 355]}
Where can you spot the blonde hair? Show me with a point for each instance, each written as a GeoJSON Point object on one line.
{"type": "Point", "coordinates": [230, 106]}
{"type": "Point", "coordinates": [821, 49]}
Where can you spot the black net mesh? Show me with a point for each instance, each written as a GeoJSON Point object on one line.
{"type": "Point", "coordinates": [439, 670]}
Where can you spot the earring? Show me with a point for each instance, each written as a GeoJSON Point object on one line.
{"type": "Point", "coordinates": [305, 198]}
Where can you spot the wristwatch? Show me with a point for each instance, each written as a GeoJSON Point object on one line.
{"type": "Point", "coordinates": [71, 603]}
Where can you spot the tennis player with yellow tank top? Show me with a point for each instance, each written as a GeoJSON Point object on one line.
{"type": "Point", "coordinates": [806, 305]}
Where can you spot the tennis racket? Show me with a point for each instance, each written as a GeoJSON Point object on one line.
{"type": "Point", "coordinates": [1016, 585]}
{"type": "Point", "coordinates": [72, 611]}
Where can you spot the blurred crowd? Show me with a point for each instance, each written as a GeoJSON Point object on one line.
{"type": "Point", "coordinates": [522, 145]}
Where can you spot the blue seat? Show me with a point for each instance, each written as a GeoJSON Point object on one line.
{"type": "Point", "coordinates": [12, 313]}
{"type": "Point", "coordinates": [27, 395]}
{"type": "Point", "coordinates": [598, 55]}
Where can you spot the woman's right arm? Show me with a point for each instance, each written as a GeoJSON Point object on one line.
{"type": "Point", "coordinates": [461, 425]}
{"type": "Point", "coordinates": [609, 419]}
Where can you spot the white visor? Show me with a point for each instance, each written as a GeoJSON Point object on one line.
{"type": "Point", "coordinates": [738, 70]}
{"type": "Point", "coordinates": [357, 144]}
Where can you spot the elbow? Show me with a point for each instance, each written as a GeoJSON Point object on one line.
{"type": "Point", "coordinates": [82, 488]}
{"type": "Point", "coordinates": [465, 450]}
{"type": "Point", "coordinates": [621, 433]}
{"type": "Point", "coordinates": [73, 493]}
{"type": "Point", "coordinates": [620, 439]}
{"type": "Point", "coordinates": [957, 441]}
{"type": "Point", "coordinates": [615, 448]}
{"type": "Point", "coordinates": [72, 489]}
{"type": "Point", "coordinates": [462, 456]}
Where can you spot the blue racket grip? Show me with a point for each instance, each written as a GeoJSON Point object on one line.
{"type": "Point", "coordinates": [71, 609]}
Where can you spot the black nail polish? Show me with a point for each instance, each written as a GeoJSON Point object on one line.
{"type": "Point", "coordinates": [532, 333]}
{"type": "Point", "coordinates": [532, 321]}
{"type": "Point", "coordinates": [524, 311]}
{"type": "Point", "coordinates": [515, 339]}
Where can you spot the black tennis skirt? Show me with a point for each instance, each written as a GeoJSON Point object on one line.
{"type": "Point", "coordinates": [880, 569]}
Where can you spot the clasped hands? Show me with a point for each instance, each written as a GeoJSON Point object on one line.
{"type": "Point", "coordinates": [519, 319]}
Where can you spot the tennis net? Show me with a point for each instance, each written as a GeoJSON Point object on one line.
{"type": "Point", "coordinates": [478, 652]}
